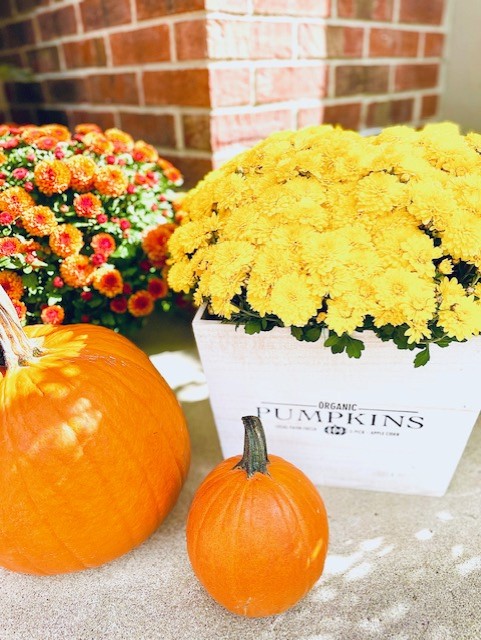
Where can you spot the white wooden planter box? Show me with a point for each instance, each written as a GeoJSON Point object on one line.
{"type": "Point", "coordinates": [374, 423]}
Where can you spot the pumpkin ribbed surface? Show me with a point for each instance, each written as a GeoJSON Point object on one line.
{"type": "Point", "coordinates": [94, 451]}
{"type": "Point", "coordinates": [257, 542]}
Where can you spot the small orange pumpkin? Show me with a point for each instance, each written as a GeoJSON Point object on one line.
{"type": "Point", "coordinates": [257, 531]}
{"type": "Point", "coordinates": [94, 447]}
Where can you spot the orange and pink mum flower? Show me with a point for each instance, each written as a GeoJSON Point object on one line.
{"type": "Point", "coordinates": [108, 281]}
{"type": "Point", "coordinates": [9, 246]}
{"type": "Point", "coordinates": [52, 176]}
{"type": "Point", "coordinates": [87, 205]}
{"type": "Point", "coordinates": [103, 243]}
{"type": "Point", "coordinates": [15, 200]}
{"type": "Point", "coordinates": [82, 169]}
{"type": "Point", "coordinates": [76, 271]}
{"type": "Point", "coordinates": [154, 243]}
{"type": "Point", "coordinates": [140, 304]}
{"type": "Point", "coordinates": [12, 284]}
{"type": "Point", "coordinates": [66, 240]}
{"type": "Point", "coordinates": [157, 288]}
{"type": "Point", "coordinates": [39, 220]}
{"type": "Point", "coordinates": [111, 181]}
{"type": "Point", "coordinates": [53, 314]}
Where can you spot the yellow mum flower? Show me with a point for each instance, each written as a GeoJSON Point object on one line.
{"type": "Point", "coordinates": [293, 300]}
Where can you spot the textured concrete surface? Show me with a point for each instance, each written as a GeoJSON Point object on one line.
{"type": "Point", "coordinates": [398, 568]}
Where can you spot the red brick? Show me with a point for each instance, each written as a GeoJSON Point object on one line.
{"type": "Point", "coordinates": [191, 39]}
{"type": "Point", "coordinates": [147, 9]}
{"type": "Point", "coordinates": [344, 42]}
{"type": "Point", "coordinates": [61, 22]}
{"type": "Point", "coordinates": [104, 119]}
{"type": "Point", "coordinates": [366, 9]}
{"type": "Point", "coordinates": [158, 130]}
{"type": "Point", "coordinates": [312, 41]}
{"type": "Point", "coordinates": [246, 129]}
{"type": "Point", "coordinates": [23, 6]}
{"type": "Point", "coordinates": [391, 43]}
{"type": "Point", "coordinates": [346, 115]}
{"type": "Point", "coordinates": [68, 90]}
{"type": "Point", "coordinates": [89, 52]}
{"type": "Point", "coordinates": [7, 10]}
{"type": "Point", "coordinates": [357, 79]}
{"type": "Point", "coordinates": [13, 59]}
{"type": "Point", "coordinates": [429, 106]}
{"type": "Point", "coordinates": [234, 39]}
{"type": "Point", "coordinates": [120, 88]}
{"type": "Point", "coordinates": [141, 46]}
{"type": "Point", "coordinates": [192, 168]}
{"type": "Point", "coordinates": [317, 8]}
{"type": "Point", "coordinates": [229, 87]}
{"type": "Point", "coordinates": [24, 92]}
{"type": "Point", "coordinates": [309, 116]}
{"type": "Point", "coordinates": [277, 84]}
{"type": "Point", "coordinates": [47, 116]}
{"type": "Point", "coordinates": [43, 60]}
{"type": "Point", "coordinates": [188, 87]}
{"type": "Point", "coordinates": [197, 131]}
{"type": "Point", "coordinates": [381, 114]}
{"type": "Point", "coordinates": [22, 115]}
{"type": "Point", "coordinates": [417, 12]}
{"type": "Point", "coordinates": [18, 33]}
{"type": "Point", "coordinates": [416, 76]}
{"type": "Point", "coordinates": [98, 14]}
{"type": "Point", "coordinates": [433, 45]}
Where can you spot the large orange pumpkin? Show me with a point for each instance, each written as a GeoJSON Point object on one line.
{"type": "Point", "coordinates": [257, 531]}
{"type": "Point", "coordinates": [94, 447]}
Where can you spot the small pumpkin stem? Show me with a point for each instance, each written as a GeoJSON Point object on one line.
{"type": "Point", "coordinates": [17, 349]}
{"type": "Point", "coordinates": [255, 449]}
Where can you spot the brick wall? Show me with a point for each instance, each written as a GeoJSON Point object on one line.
{"type": "Point", "coordinates": [363, 64]}
{"type": "Point", "coordinates": [202, 79]}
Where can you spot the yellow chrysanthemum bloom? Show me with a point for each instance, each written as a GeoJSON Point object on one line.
{"type": "Point", "coordinates": [325, 225]}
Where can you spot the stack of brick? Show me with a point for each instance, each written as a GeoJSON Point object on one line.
{"type": "Point", "coordinates": [202, 79]}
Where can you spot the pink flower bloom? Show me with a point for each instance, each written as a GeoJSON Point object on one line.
{"type": "Point", "coordinates": [97, 259]}
{"type": "Point", "coordinates": [19, 173]}
{"type": "Point", "coordinates": [6, 217]}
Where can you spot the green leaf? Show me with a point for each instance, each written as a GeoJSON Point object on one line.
{"type": "Point", "coordinates": [354, 347]}
{"type": "Point", "coordinates": [30, 280]}
{"type": "Point", "coordinates": [252, 326]}
{"type": "Point", "coordinates": [297, 332]}
{"type": "Point", "coordinates": [108, 319]}
{"type": "Point", "coordinates": [312, 334]}
{"type": "Point", "coordinates": [422, 358]}
{"type": "Point", "coordinates": [332, 340]}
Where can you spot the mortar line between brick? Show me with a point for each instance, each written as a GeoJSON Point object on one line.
{"type": "Point", "coordinates": [396, 11]}
{"type": "Point", "coordinates": [78, 18]}
{"type": "Point", "coordinates": [235, 64]}
{"type": "Point", "coordinates": [133, 12]}
{"type": "Point", "coordinates": [421, 45]}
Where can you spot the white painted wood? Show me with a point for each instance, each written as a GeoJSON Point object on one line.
{"type": "Point", "coordinates": [374, 423]}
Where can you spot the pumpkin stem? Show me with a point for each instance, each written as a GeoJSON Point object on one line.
{"type": "Point", "coordinates": [255, 449]}
{"type": "Point", "coordinates": [17, 348]}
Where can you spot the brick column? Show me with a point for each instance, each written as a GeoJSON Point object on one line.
{"type": "Point", "coordinates": [202, 79]}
